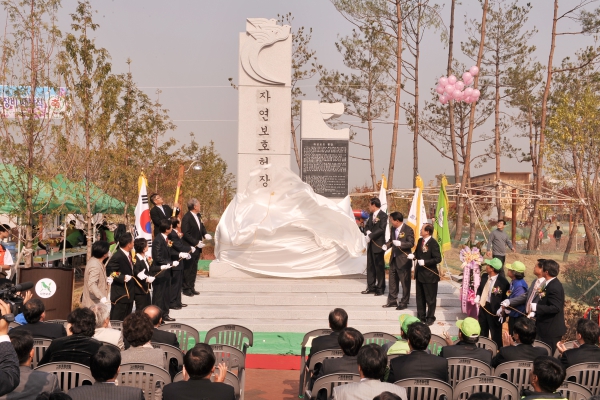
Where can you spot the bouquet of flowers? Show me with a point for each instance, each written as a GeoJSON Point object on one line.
{"type": "Point", "coordinates": [471, 265]}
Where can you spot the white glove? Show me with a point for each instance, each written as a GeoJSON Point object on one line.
{"type": "Point", "coordinates": [142, 275]}
{"type": "Point", "coordinates": [127, 278]}
{"type": "Point", "coordinates": [192, 250]}
{"type": "Point", "coordinates": [207, 237]}
{"type": "Point", "coordinates": [175, 263]}
{"type": "Point", "coordinates": [411, 256]}
{"type": "Point", "coordinates": [150, 279]}
{"type": "Point", "coordinates": [534, 307]}
{"type": "Point", "coordinates": [531, 315]}
{"type": "Point", "coordinates": [368, 238]}
{"type": "Point", "coordinates": [187, 256]}
{"type": "Point", "coordinates": [200, 245]}
{"type": "Point", "coordinates": [499, 312]}
{"type": "Point", "coordinates": [368, 233]}
{"type": "Point", "coordinates": [384, 247]}
{"type": "Point", "coordinates": [103, 300]}
{"type": "Point", "coordinates": [505, 303]}
{"type": "Point", "coordinates": [397, 243]}
{"type": "Point", "coordinates": [501, 319]}
{"type": "Point", "coordinates": [477, 299]}
{"type": "Point", "coordinates": [421, 262]}
{"type": "Point", "coordinates": [109, 280]}
{"type": "Point", "coordinates": [163, 267]}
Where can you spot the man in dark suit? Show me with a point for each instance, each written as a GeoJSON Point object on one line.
{"type": "Point", "coordinates": [418, 364]}
{"type": "Point", "coordinates": [587, 335]}
{"type": "Point", "coordinates": [492, 291]}
{"type": "Point", "coordinates": [158, 336]}
{"type": "Point", "coordinates": [120, 272]}
{"type": "Point", "coordinates": [160, 211]}
{"type": "Point", "coordinates": [338, 320]}
{"type": "Point", "coordinates": [549, 310]}
{"type": "Point", "coordinates": [9, 363]}
{"type": "Point", "coordinates": [34, 312]}
{"type": "Point", "coordinates": [532, 295]}
{"type": "Point", "coordinates": [375, 234]}
{"type": "Point", "coordinates": [522, 348]}
{"type": "Point", "coordinates": [468, 336]}
{"type": "Point", "coordinates": [193, 232]}
{"type": "Point", "coordinates": [185, 252]}
{"type": "Point", "coordinates": [104, 366]}
{"type": "Point", "coordinates": [402, 241]}
{"type": "Point", "coordinates": [198, 366]}
{"type": "Point", "coordinates": [32, 382]}
{"type": "Point", "coordinates": [427, 275]}
{"type": "Point", "coordinates": [164, 257]}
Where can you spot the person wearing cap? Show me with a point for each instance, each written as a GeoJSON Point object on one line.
{"type": "Point", "coordinates": [518, 287]}
{"type": "Point", "coordinates": [401, 345]}
{"type": "Point", "coordinates": [519, 345]}
{"type": "Point", "coordinates": [490, 294]}
{"type": "Point", "coordinates": [532, 295]}
{"type": "Point", "coordinates": [468, 336]}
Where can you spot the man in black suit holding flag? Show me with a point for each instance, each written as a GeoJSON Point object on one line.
{"type": "Point", "coordinates": [193, 232]}
{"type": "Point", "coordinates": [160, 210]}
{"type": "Point", "coordinates": [402, 240]}
{"type": "Point", "coordinates": [119, 270]}
{"type": "Point", "coordinates": [164, 257]}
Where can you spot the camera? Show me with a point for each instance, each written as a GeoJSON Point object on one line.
{"type": "Point", "coordinates": [8, 294]}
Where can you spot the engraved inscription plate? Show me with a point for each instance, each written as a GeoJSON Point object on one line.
{"type": "Point", "coordinates": [325, 166]}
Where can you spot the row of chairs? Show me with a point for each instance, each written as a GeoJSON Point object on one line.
{"type": "Point", "coordinates": [433, 389]}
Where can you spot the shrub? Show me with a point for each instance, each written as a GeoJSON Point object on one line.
{"type": "Point", "coordinates": [580, 275]}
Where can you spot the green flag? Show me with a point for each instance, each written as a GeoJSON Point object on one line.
{"type": "Point", "coordinates": [441, 231]}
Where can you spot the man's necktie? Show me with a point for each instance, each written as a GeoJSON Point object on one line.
{"type": "Point", "coordinates": [485, 293]}
{"type": "Point", "coordinates": [396, 234]}
{"type": "Point", "coordinates": [531, 296]}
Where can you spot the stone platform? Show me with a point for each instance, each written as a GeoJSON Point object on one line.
{"type": "Point", "coordinates": [300, 305]}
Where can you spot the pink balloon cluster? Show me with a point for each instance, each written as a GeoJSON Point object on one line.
{"type": "Point", "coordinates": [450, 88]}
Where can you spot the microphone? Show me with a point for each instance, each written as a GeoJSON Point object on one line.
{"type": "Point", "coordinates": [23, 286]}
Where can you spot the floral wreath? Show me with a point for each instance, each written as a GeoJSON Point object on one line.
{"type": "Point", "coordinates": [471, 265]}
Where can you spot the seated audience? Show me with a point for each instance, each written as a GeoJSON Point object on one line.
{"type": "Point", "coordinates": [338, 320]}
{"type": "Point", "coordinates": [372, 363]}
{"type": "Point", "coordinates": [587, 334]}
{"type": "Point", "coordinates": [158, 336]}
{"type": "Point", "coordinates": [521, 345]}
{"type": "Point", "coordinates": [468, 336]}
{"type": "Point", "coordinates": [137, 330]}
{"type": "Point", "coordinates": [418, 364]}
{"type": "Point", "coordinates": [104, 366]}
{"type": "Point", "coordinates": [34, 312]}
{"type": "Point", "coordinates": [482, 396]}
{"type": "Point", "coordinates": [32, 382]}
{"type": "Point", "coordinates": [104, 332]}
{"type": "Point", "coordinates": [198, 366]}
{"type": "Point", "coordinates": [79, 346]}
{"type": "Point", "coordinates": [387, 396]}
{"type": "Point", "coordinates": [401, 345]}
{"type": "Point", "coordinates": [546, 377]}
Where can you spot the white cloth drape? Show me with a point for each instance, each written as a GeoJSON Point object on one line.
{"type": "Point", "coordinates": [287, 230]}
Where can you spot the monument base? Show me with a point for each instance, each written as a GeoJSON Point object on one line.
{"type": "Point", "coordinates": [219, 269]}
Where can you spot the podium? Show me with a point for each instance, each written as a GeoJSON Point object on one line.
{"type": "Point", "coordinates": [54, 286]}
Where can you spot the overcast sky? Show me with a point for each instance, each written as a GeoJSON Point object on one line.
{"type": "Point", "coordinates": [189, 48]}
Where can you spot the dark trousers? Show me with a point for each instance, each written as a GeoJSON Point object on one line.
{"type": "Point", "coordinates": [426, 298]}
{"type": "Point", "coordinates": [141, 300]}
{"type": "Point", "coordinates": [190, 270]}
{"type": "Point", "coordinates": [490, 324]}
{"type": "Point", "coordinates": [119, 311]}
{"type": "Point", "coordinates": [375, 270]}
{"type": "Point", "coordinates": [550, 341]}
{"type": "Point", "coordinates": [399, 276]}
{"type": "Point", "coordinates": [511, 323]}
{"type": "Point", "coordinates": [176, 282]}
{"type": "Point", "coordinates": [162, 294]}
{"type": "Point", "coordinates": [503, 259]}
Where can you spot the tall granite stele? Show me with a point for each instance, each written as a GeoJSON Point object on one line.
{"type": "Point", "coordinates": [265, 98]}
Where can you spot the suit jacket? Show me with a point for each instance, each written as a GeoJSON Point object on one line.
{"type": "Point", "coordinates": [432, 257]}
{"type": "Point", "coordinates": [180, 246]}
{"type": "Point", "coordinates": [418, 364]}
{"type": "Point", "coordinates": [400, 253]}
{"type": "Point", "coordinates": [325, 342]}
{"type": "Point", "coordinates": [9, 368]}
{"type": "Point", "coordinates": [165, 337]}
{"type": "Point", "coordinates": [502, 285]}
{"type": "Point", "coordinates": [101, 390]}
{"type": "Point", "coordinates": [156, 215]}
{"type": "Point", "coordinates": [198, 389]}
{"type": "Point", "coordinates": [192, 234]}
{"type": "Point", "coordinates": [44, 330]}
{"type": "Point", "coordinates": [141, 266]}
{"type": "Point", "coordinates": [549, 314]}
{"type": "Point", "coordinates": [74, 348]}
{"type": "Point", "coordinates": [33, 383]}
{"type": "Point", "coordinates": [462, 349]}
{"type": "Point", "coordinates": [95, 286]}
{"type": "Point", "coordinates": [522, 352]}
{"type": "Point", "coordinates": [522, 299]}
{"type": "Point", "coordinates": [162, 254]}
{"type": "Point", "coordinates": [583, 354]}
{"type": "Point", "coordinates": [109, 335]}
{"type": "Point", "coordinates": [377, 229]}
{"type": "Point", "coordinates": [146, 355]}
{"type": "Point", "coordinates": [366, 389]}
{"type": "Point", "coordinates": [120, 263]}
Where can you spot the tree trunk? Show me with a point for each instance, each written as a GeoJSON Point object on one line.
{"type": "Point", "coordinates": [371, 153]}
{"type": "Point", "coordinates": [398, 91]}
{"type": "Point", "coordinates": [455, 162]}
{"type": "Point", "coordinates": [540, 161]}
{"type": "Point", "coordinates": [295, 143]}
{"type": "Point", "coordinates": [497, 134]}
{"type": "Point", "coordinates": [572, 236]}
{"type": "Point", "coordinates": [30, 138]}
{"type": "Point", "coordinates": [416, 130]}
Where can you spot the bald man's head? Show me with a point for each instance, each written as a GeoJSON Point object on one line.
{"type": "Point", "coordinates": [155, 314]}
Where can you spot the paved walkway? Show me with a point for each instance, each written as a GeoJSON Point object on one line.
{"type": "Point", "coordinates": [267, 384]}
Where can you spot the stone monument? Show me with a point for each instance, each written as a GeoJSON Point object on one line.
{"type": "Point", "coordinates": [265, 98]}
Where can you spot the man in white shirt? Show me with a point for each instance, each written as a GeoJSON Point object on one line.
{"type": "Point", "coordinates": [532, 295]}
{"type": "Point", "coordinates": [194, 232]}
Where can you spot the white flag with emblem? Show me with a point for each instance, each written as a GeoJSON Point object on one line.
{"type": "Point", "coordinates": [417, 216]}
